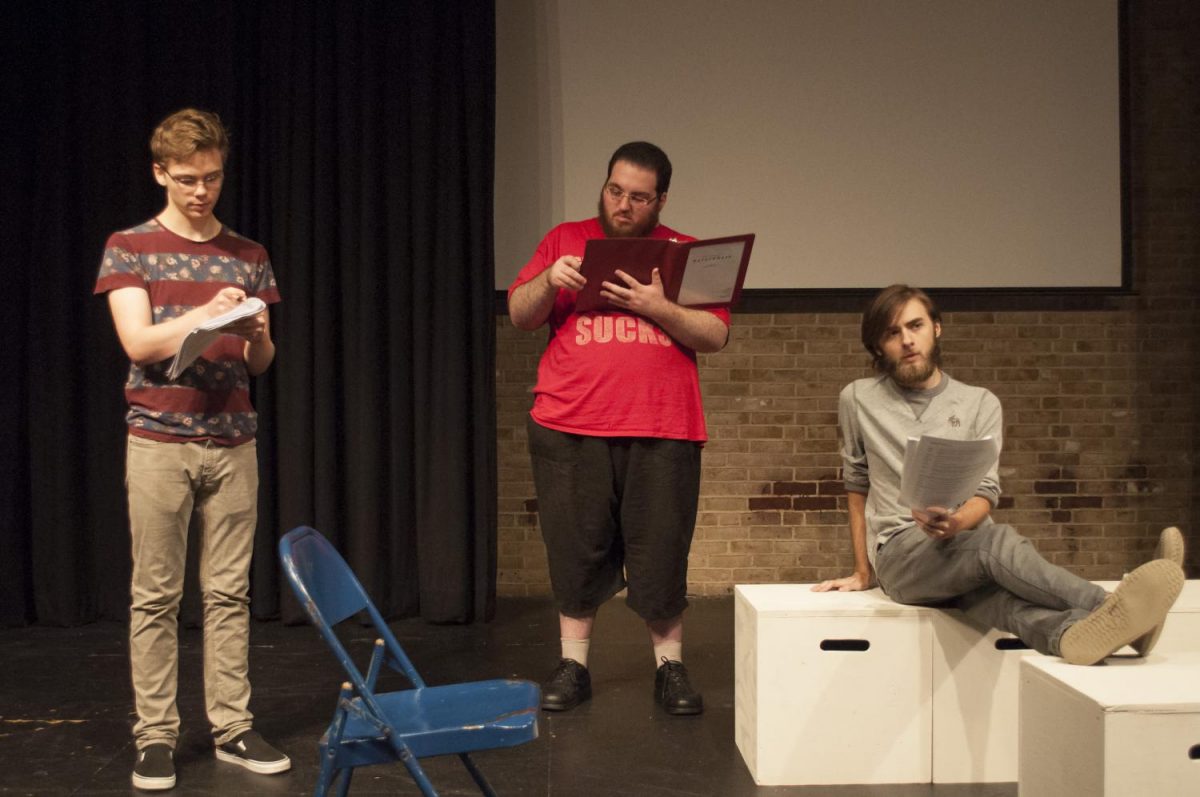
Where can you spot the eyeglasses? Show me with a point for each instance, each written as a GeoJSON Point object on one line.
{"type": "Point", "coordinates": [616, 194]}
{"type": "Point", "coordinates": [190, 183]}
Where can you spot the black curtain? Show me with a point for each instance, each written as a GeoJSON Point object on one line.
{"type": "Point", "coordinates": [362, 159]}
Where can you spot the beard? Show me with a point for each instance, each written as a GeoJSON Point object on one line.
{"type": "Point", "coordinates": [638, 230]}
{"type": "Point", "coordinates": [914, 375]}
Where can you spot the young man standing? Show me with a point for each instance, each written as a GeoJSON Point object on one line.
{"type": "Point", "coordinates": [615, 432]}
{"type": "Point", "coordinates": [957, 554]}
{"type": "Point", "coordinates": [191, 458]}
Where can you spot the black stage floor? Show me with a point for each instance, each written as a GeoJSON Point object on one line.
{"type": "Point", "coordinates": [66, 712]}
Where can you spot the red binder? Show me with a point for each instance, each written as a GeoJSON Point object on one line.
{"type": "Point", "coordinates": [707, 273]}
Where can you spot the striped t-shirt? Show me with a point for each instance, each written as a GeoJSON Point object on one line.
{"type": "Point", "coordinates": [211, 399]}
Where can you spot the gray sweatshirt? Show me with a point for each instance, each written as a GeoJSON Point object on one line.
{"type": "Point", "coordinates": [877, 417]}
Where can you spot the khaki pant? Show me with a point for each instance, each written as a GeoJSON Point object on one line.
{"type": "Point", "coordinates": [215, 490]}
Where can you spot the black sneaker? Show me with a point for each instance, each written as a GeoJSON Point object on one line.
{"type": "Point", "coordinates": [155, 768]}
{"type": "Point", "coordinates": [673, 690]}
{"type": "Point", "coordinates": [569, 685]}
{"type": "Point", "coordinates": [250, 751]}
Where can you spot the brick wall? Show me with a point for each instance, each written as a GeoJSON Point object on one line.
{"type": "Point", "coordinates": [1102, 408]}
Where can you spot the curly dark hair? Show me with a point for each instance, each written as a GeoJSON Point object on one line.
{"type": "Point", "coordinates": [647, 156]}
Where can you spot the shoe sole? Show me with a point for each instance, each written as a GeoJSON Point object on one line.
{"type": "Point", "coordinates": [1145, 643]}
{"type": "Point", "coordinates": [583, 696]}
{"type": "Point", "coordinates": [153, 784]}
{"type": "Point", "coordinates": [257, 767]}
{"type": "Point", "coordinates": [1170, 547]}
{"type": "Point", "coordinates": [1133, 611]}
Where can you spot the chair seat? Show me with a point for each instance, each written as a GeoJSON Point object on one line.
{"type": "Point", "coordinates": [440, 720]}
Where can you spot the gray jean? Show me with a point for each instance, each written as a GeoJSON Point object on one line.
{"type": "Point", "coordinates": [994, 575]}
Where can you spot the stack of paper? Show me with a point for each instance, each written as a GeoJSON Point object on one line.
{"type": "Point", "coordinates": [942, 472]}
{"type": "Point", "coordinates": [202, 336]}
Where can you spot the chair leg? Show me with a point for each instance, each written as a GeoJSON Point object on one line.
{"type": "Point", "coordinates": [326, 777]}
{"type": "Point", "coordinates": [324, 784]}
{"type": "Point", "coordinates": [418, 774]}
{"type": "Point", "coordinates": [333, 741]}
{"type": "Point", "coordinates": [344, 786]}
{"type": "Point", "coordinates": [477, 775]}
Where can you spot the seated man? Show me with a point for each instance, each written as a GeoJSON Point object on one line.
{"type": "Point", "coordinates": [957, 555]}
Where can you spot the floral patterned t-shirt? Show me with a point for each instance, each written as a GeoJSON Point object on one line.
{"type": "Point", "coordinates": [211, 399]}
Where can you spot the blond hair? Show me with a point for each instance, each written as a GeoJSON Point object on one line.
{"type": "Point", "coordinates": [184, 133]}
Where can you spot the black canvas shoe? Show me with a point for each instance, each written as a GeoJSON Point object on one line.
{"type": "Point", "coordinates": [569, 685]}
{"type": "Point", "coordinates": [155, 768]}
{"type": "Point", "coordinates": [674, 691]}
{"type": "Point", "coordinates": [249, 750]}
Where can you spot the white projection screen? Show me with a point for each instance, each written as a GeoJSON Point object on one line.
{"type": "Point", "coordinates": [965, 144]}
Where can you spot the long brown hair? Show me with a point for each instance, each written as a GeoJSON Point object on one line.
{"type": "Point", "coordinates": [883, 309]}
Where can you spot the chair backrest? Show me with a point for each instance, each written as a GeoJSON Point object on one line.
{"type": "Point", "coordinates": [321, 576]}
{"type": "Point", "coordinates": [329, 592]}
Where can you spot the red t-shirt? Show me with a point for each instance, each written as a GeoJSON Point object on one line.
{"type": "Point", "coordinates": [611, 373]}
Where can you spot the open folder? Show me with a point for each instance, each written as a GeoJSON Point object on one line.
{"type": "Point", "coordinates": [202, 335]}
{"type": "Point", "coordinates": [694, 273]}
{"type": "Point", "coordinates": [942, 472]}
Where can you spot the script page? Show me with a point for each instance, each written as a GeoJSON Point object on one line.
{"type": "Point", "coordinates": [942, 472]}
{"type": "Point", "coordinates": [711, 272]}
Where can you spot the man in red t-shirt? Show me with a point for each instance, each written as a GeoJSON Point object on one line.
{"type": "Point", "coordinates": [615, 432]}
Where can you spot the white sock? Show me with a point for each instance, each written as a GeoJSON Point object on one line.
{"type": "Point", "coordinates": [673, 651]}
{"type": "Point", "coordinates": [576, 649]}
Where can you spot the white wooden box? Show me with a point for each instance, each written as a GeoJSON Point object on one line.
{"type": "Point", "coordinates": [831, 688]}
{"type": "Point", "coordinates": [975, 677]}
{"type": "Point", "coordinates": [975, 687]}
{"type": "Point", "coordinates": [1129, 727]}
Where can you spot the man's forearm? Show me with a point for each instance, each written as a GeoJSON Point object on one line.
{"type": "Point", "coordinates": [530, 304]}
{"type": "Point", "coordinates": [973, 512]}
{"type": "Point", "coordinates": [857, 505]}
{"type": "Point", "coordinates": [259, 355]}
{"type": "Point", "coordinates": [699, 330]}
{"type": "Point", "coordinates": [147, 343]}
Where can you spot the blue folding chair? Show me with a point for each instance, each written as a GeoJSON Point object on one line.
{"type": "Point", "coordinates": [415, 723]}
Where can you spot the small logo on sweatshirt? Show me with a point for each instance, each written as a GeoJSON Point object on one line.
{"type": "Point", "coordinates": [955, 422]}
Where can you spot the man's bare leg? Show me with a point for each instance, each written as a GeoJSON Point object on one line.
{"type": "Point", "coordinates": [570, 684]}
{"type": "Point", "coordinates": [672, 689]}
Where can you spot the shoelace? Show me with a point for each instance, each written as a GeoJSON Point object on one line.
{"type": "Point", "coordinates": [675, 677]}
{"type": "Point", "coordinates": [565, 674]}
